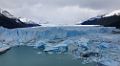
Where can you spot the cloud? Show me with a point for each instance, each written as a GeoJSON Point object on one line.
{"type": "Point", "coordinates": [59, 11]}
{"type": "Point", "coordinates": [72, 14]}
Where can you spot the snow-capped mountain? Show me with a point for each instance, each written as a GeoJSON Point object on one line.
{"type": "Point", "coordinates": [6, 13]}
{"type": "Point", "coordinates": [117, 12]}
{"type": "Point", "coordinates": [27, 21]}
{"type": "Point", "coordinates": [109, 20]}
{"type": "Point", "coordinates": [9, 21]}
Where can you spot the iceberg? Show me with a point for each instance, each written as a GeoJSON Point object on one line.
{"type": "Point", "coordinates": [4, 48]}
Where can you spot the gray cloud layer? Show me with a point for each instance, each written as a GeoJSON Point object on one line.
{"type": "Point", "coordinates": [59, 11]}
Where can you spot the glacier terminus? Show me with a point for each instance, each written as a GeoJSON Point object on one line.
{"type": "Point", "coordinates": [89, 43]}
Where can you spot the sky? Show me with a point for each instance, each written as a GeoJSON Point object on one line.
{"type": "Point", "coordinates": [59, 11]}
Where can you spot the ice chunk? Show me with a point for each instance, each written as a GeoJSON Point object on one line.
{"type": "Point", "coordinates": [61, 48]}
{"type": "Point", "coordinates": [4, 50]}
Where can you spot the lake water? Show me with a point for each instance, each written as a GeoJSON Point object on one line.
{"type": "Point", "coordinates": [27, 56]}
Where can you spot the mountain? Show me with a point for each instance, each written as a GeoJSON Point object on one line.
{"type": "Point", "coordinates": [9, 21]}
{"type": "Point", "coordinates": [109, 20]}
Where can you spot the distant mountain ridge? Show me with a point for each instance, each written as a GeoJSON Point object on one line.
{"type": "Point", "coordinates": [109, 20]}
{"type": "Point", "coordinates": [9, 21]}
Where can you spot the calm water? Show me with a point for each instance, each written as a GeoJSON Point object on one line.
{"type": "Point", "coordinates": [27, 56]}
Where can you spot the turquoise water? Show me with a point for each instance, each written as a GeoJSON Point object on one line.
{"type": "Point", "coordinates": [27, 56]}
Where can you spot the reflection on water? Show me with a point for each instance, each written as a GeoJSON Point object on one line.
{"type": "Point", "coordinates": [27, 56]}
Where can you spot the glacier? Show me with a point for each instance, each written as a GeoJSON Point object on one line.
{"type": "Point", "coordinates": [89, 43]}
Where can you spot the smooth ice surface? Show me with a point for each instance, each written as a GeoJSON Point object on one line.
{"type": "Point", "coordinates": [91, 44]}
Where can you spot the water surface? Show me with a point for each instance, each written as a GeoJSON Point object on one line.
{"type": "Point", "coordinates": [27, 56]}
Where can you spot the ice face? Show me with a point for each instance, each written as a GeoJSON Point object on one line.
{"type": "Point", "coordinates": [91, 44]}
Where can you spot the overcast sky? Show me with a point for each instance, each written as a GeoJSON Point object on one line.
{"type": "Point", "coordinates": [59, 11]}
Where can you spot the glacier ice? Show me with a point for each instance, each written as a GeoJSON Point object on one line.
{"type": "Point", "coordinates": [91, 44]}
